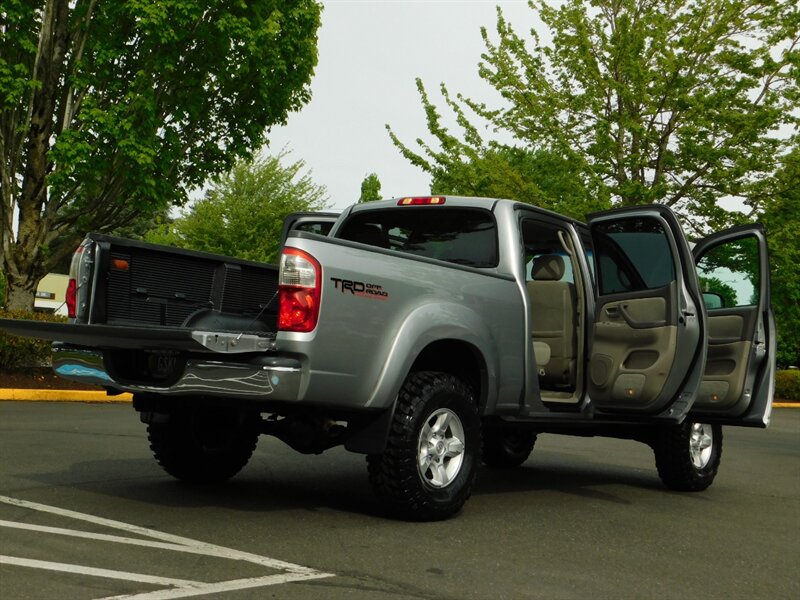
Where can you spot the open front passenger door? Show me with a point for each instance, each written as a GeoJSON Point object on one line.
{"type": "Point", "coordinates": [738, 383]}
{"type": "Point", "coordinates": [648, 340]}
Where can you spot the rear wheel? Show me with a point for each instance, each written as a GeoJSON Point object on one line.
{"type": "Point", "coordinates": [688, 455]}
{"type": "Point", "coordinates": [428, 467]}
{"type": "Point", "coordinates": [204, 445]}
{"type": "Point", "coordinates": [506, 447]}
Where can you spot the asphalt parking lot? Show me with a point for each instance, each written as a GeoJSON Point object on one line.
{"type": "Point", "coordinates": [85, 512]}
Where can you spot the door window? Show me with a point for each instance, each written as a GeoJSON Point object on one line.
{"type": "Point", "coordinates": [632, 255]}
{"type": "Point", "coordinates": [728, 274]}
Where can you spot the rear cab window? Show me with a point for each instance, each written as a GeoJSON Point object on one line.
{"type": "Point", "coordinates": [463, 236]}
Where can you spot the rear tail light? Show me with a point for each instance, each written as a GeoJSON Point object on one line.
{"type": "Point", "coordinates": [72, 286]}
{"type": "Point", "coordinates": [299, 291]}
{"type": "Point", "coordinates": [72, 296]}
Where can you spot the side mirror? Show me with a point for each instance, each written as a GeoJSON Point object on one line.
{"type": "Point", "coordinates": [713, 300]}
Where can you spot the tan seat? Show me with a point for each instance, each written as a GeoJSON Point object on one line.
{"type": "Point", "coordinates": [553, 311]}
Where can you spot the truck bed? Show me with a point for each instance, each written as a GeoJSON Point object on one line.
{"type": "Point", "coordinates": [139, 284]}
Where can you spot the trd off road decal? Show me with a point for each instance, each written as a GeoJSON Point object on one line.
{"type": "Point", "coordinates": [359, 288]}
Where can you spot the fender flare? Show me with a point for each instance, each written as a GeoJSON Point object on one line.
{"type": "Point", "coordinates": [426, 325]}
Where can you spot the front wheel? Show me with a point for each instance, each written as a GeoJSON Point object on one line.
{"type": "Point", "coordinates": [428, 468]}
{"type": "Point", "coordinates": [688, 455]}
{"type": "Point", "coordinates": [204, 445]}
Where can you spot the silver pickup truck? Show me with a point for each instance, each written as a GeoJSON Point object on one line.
{"type": "Point", "coordinates": [431, 334]}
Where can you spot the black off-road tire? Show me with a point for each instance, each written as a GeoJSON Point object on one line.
{"type": "Point", "coordinates": [430, 404]}
{"type": "Point", "coordinates": [680, 460]}
{"type": "Point", "coordinates": [204, 446]}
{"type": "Point", "coordinates": [507, 447]}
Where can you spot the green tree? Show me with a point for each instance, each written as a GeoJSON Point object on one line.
{"type": "Point", "coordinates": [643, 101]}
{"type": "Point", "coordinates": [113, 110]}
{"type": "Point", "coordinates": [370, 188]}
{"type": "Point", "coordinates": [136, 230]}
{"type": "Point", "coordinates": [541, 178]}
{"type": "Point", "coordinates": [781, 202]}
{"type": "Point", "coordinates": [242, 214]}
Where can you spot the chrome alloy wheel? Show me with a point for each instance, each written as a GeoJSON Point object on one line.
{"type": "Point", "coordinates": [701, 442]}
{"type": "Point", "coordinates": [440, 449]}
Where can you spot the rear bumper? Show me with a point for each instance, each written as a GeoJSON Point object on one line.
{"type": "Point", "coordinates": [268, 378]}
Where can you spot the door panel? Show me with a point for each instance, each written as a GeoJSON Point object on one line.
{"type": "Point", "coordinates": [726, 328]}
{"type": "Point", "coordinates": [633, 362]}
{"type": "Point", "coordinates": [647, 353]}
{"type": "Point", "coordinates": [633, 350]}
{"type": "Point", "coordinates": [737, 384]}
{"type": "Point", "coordinates": [729, 345]}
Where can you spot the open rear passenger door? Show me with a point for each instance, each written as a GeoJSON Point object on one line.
{"type": "Point", "coordinates": [647, 343]}
{"type": "Point", "coordinates": [738, 383]}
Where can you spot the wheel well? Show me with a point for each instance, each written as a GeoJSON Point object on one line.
{"type": "Point", "coordinates": [457, 358]}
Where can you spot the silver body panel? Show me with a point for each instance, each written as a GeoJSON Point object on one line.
{"type": "Point", "coordinates": [364, 345]}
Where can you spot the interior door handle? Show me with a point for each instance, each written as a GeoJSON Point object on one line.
{"type": "Point", "coordinates": [623, 310]}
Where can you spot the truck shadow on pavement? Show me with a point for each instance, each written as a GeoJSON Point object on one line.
{"type": "Point", "coordinates": [309, 483]}
{"type": "Point", "coordinates": [574, 480]}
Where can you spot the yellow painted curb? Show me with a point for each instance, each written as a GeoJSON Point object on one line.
{"type": "Point", "coordinates": [62, 396]}
{"type": "Point", "coordinates": [31, 395]}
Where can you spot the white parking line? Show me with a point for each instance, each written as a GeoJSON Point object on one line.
{"type": "Point", "coordinates": [222, 586]}
{"type": "Point", "coordinates": [180, 588]}
{"type": "Point", "coordinates": [104, 537]}
{"type": "Point", "coordinates": [83, 570]}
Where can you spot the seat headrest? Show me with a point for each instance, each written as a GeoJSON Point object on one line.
{"type": "Point", "coordinates": [549, 267]}
{"type": "Point", "coordinates": [367, 233]}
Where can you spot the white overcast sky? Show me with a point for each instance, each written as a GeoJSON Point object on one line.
{"type": "Point", "coordinates": [370, 53]}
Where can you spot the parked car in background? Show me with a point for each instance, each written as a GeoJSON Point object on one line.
{"type": "Point", "coordinates": [51, 294]}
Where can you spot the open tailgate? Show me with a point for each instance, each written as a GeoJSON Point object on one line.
{"type": "Point", "coordinates": [139, 338]}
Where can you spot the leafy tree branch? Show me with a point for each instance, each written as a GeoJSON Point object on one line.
{"type": "Point", "coordinates": [114, 110]}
